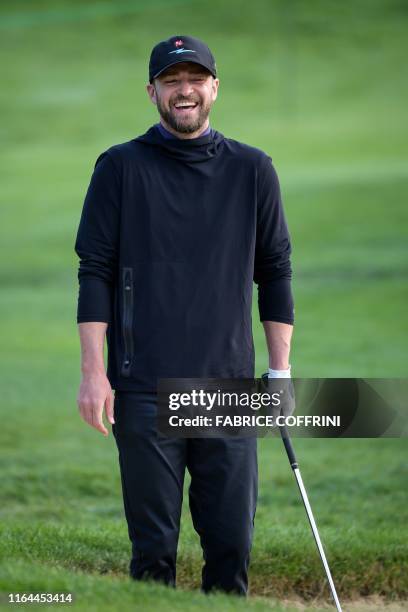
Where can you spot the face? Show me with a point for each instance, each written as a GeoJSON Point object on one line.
{"type": "Point", "coordinates": [184, 95]}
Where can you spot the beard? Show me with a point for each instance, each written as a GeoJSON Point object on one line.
{"type": "Point", "coordinates": [184, 125]}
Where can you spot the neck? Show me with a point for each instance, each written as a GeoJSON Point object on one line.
{"type": "Point", "coordinates": [184, 135]}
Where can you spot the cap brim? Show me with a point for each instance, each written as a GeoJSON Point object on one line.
{"type": "Point", "coordinates": [182, 60]}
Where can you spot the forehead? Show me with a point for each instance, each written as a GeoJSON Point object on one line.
{"type": "Point", "coordinates": [190, 67]}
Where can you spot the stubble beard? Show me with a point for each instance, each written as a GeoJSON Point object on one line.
{"type": "Point", "coordinates": [187, 125]}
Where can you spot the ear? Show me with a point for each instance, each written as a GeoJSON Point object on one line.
{"type": "Point", "coordinates": [151, 91]}
{"type": "Point", "coordinates": [214, 88]}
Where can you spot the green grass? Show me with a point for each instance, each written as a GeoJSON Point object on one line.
{"type": "Point", "coordinates": [93, 592]}
{"type": "Point", "coordinates": [319, 86]}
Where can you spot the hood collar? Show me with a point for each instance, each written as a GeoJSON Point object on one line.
{"type": "Point", "coordinates": [189, 150]}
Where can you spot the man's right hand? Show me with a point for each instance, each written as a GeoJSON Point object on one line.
{"type": "Point", "coordinates": [95, 394]}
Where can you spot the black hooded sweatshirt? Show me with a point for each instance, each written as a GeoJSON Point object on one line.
{"type": "Point", "coordinates": [172, 235]}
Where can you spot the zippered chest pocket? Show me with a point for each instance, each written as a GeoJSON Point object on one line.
{"type": "Point", "coordinates": [127, 320]}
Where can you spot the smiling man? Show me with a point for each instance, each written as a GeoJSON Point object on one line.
{"type": "Point", "coordinates": [184, 94]}
{"type": "Point", "coordinates": [176, 226]}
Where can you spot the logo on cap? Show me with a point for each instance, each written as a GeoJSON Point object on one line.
{"type": "Point", "coordinates": [182, 50]}
{"type": "Point", "coordinates": [179, 43]}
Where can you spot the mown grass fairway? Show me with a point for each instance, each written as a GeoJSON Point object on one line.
{"type": "Point", "coordinates": [320, 87]}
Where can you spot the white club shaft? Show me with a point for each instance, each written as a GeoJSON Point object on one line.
{"type": "Point", "coordinates": [316, 536]}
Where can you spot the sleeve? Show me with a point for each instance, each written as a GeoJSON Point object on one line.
{"type": "Point", "coordinates": [272, 267]}
{"type": "Point", "coordinates": [97, 243]}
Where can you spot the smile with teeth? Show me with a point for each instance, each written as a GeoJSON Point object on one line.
{"type": "Point", "coordinates": [185, 106]}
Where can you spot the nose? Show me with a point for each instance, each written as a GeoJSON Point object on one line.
{"type": "Point", "coordinates": [185, 88]}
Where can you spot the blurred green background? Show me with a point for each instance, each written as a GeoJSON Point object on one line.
{"type": "Point", "coordinates": [321, 87]}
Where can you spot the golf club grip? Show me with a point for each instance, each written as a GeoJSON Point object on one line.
{"type": "Point", "coordinates": [288, 447]}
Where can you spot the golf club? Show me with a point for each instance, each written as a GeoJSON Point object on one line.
{"type": "Point", "coordinates": [295, 467]}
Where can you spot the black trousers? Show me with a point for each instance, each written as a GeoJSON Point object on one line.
{"type": "Point", "coordinates": [222, 496]}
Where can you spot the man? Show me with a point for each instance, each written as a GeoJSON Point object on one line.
{"type": "Point", "coordinates": [176, 225]}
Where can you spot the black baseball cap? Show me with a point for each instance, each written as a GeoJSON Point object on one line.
{"type": "Point", "coordinates": [177, 49]}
